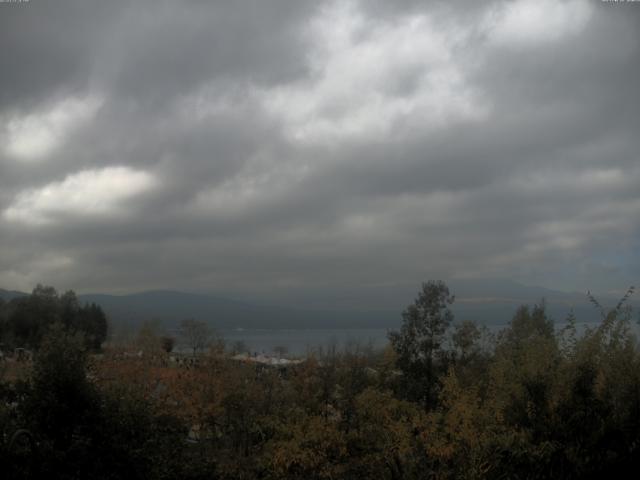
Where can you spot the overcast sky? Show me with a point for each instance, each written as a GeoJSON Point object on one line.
{"type": "Point", "coordinates": [339, 152]}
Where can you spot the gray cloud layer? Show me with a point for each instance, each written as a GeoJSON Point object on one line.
{"type": "Point", "coordinates": [318, 151]}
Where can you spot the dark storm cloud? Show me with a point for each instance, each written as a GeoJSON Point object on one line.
{"type": "Point", "coordinates": [145, 47]}
{"type": "Point", "coordinates": [49, 47]}
{"type": "Point", "coordinates": [331, 149]}
{"type": "Point", "coordinates": [171, 49]}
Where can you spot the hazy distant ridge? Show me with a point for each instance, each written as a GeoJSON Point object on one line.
{"type": "Point", "coordinates": [487, 302]}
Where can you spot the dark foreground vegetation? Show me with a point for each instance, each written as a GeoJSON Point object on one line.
{"type": "Point", "coordinates": [444, 400]}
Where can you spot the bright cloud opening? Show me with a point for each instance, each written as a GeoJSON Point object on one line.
{"type": "Point", "coordinates": [536, 21]}
{"type": "Point", "coordinates": [88, 193]}
{"type": "Point", "coordinates": [368, 74]}
{"type": "Point", "coordinates": [35, 135]}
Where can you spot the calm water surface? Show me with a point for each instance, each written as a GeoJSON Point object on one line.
{"type": "Point", "coordinates": [301, 341]}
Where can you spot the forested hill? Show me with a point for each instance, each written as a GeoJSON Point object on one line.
{"type": "Point", "coordinates": [487, 302]}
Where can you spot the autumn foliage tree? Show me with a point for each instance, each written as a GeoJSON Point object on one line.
{"type": "Point", "coordinates": [195, 334]}
{"type": "Point", "coordinates": [535, 403]}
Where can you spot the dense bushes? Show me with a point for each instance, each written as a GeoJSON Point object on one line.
{"type": "Point", "coordinates": [534, 403]}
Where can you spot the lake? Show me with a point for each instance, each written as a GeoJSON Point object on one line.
{"type": "Point", "coordinates": [301, 341]}
{"type": "Point", "coordinates": [298, 342]}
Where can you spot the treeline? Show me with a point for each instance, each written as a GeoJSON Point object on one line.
{"type": "Point", "coordinates": [25, 320]}
{"type": "Point", "coordinates": [444, 401]}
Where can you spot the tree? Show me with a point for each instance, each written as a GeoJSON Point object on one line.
{"type": "Point", "coordinates": [465, 339]}
{"type": "Point", "coordinates": [69, 309]}
{"type": "Point", "coordinates": [60, 397]}
{"type": "Point", "coordinates": [83, 431]}
{"type": "Point", "coordinates": [167, 343]}
{"type": "Point", "coordinates": [32, 315]}
{"type": "Point", "coordinates": [195, 334]}
{"type": "Point", "coordinates": [28, 318]}
{"type": "Point", "coordinates": [3, 320]}
{"type": "Point", "coordinates": [148, 338]}
{"type": "Point", "coordinates": [239, 347]}
{"type": "Point", "coordinates": [418, 344]}
{"type": "Point", "coordinates": [527, 325]}
{"type": "Point", "coordinates": [280, 350]}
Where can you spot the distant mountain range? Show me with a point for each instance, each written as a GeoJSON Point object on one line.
{"type": "Point", "coordinates": [490, 302]}
{"type": "Point", "coordinates": [10, 294]}
{"type": "Point", "coordinates": [171, 307]}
